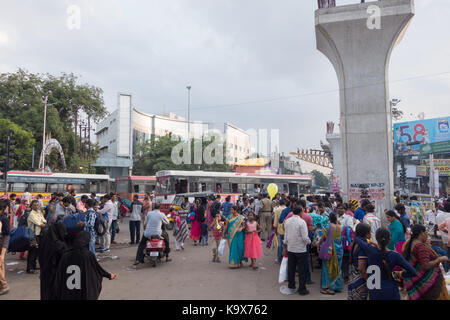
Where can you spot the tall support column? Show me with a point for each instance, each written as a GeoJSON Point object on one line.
{"type": "Point", "coordinates": [358, 40]}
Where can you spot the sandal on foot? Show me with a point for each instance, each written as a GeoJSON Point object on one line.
{"type": "Point", "coordinates": [327, 292]}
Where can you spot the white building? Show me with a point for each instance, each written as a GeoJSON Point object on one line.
{"type": "Point", "coordinates": [126, 127]}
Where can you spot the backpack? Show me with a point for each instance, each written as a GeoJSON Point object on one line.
{"type": "Point", "coordinates": [100, 224]}
{"type": "Point", "coordinates": [347, 238]}
{"type": "Point", "coordinates": [20, 240]}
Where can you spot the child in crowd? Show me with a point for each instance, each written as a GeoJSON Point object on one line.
{"type": "Point", "coordinates": [204, 228]}
{"type": "Point", "coordinates": [217, 225]}
{"type": "Point", "coordinates": [181, 231]}
{"type": "Point", "coordinates": [253, 247]}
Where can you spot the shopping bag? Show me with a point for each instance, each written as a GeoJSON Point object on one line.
{"type": "Point", "coordinates": [222, 247]}
{"type": "Point", "coordinates": [283, 270]}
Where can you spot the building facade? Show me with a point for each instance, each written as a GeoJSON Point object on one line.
{"type": "Point", "coordinates": [120, 133]}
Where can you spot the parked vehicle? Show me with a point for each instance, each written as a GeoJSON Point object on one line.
{"type": "Point", "coordinates": [154, 249]}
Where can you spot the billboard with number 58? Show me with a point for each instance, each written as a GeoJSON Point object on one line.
{"type": "Point", "coordinates": [411, 137]}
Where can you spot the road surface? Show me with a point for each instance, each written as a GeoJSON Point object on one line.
{"type": "Point", "coordinates": [190, 275]}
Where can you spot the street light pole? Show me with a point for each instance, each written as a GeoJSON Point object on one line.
{"type": "Point", "coordinates": [45, 100]}
{"type": "Point", "coordinates": [189, 112]}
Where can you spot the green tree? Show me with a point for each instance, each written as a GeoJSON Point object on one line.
{"type": "Point", "coordinates": [155, 155]}
{"type": "Point", "coordinates": [23, 147]}
{"type": "Point", "coordinates": [21, 102]}
{"type": "Point", "coordinates": [320, 179]}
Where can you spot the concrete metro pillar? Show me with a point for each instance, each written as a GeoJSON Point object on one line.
{"type": "Point", "coordinates": [360, 53]}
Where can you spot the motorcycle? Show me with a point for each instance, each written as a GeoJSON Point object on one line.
{"type": "Point", "coordinates": [154, 249]}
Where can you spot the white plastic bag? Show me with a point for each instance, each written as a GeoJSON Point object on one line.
{"type": "Point", "coordinates": [222, 247]}
{"type": "Point", "coordinates": [283, 270]}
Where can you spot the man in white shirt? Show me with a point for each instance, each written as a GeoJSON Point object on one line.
{"type": "Point", "coordinates": [296, 240]}
{"type": "Point", "coordinates": [345, 220]}
{"type": "Point", "coordinates": [257, 206]}
{"type": "Point", "coordinates": [153, 227]}
{"type": "Point", "coordinates": [440, 218]}
{"type": "Point", "coordinates": [107, 211]}
{"type": "Point", "coordinates": [430, 217]}
{"type": "Point", "coordinates": [115, 215]}
{"type": "Point", "coordinates": [372, 220]}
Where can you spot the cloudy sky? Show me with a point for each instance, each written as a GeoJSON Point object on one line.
{"type": "Point", "coordinates": [252, 63]}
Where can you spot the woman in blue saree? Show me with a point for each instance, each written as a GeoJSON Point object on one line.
{"type": "Point", "coordinates": [235, 234]}
{"type": "Point", "coordinates": [332, 280]}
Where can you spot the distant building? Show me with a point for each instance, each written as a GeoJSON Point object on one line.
{"type": "Point", "coordinates": [253, 165]}
{"type": "Point", "coordinates": [120, 133]}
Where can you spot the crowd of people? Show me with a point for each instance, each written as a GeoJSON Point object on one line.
{"type": "Point", "coordinates": [345, 240]}
{"type": "Point", "coordinates": [63, 231]}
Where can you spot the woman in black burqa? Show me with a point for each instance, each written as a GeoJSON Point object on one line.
{"type": "Point", "coordinates": [52, 246]}
{"type": "Point", "coordinates": [79, 276]}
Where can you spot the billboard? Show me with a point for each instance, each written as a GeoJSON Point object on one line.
{"type": "Point", "coordinates": [424, 171]}
{"type": "Point", "coordinates": [422, 136]}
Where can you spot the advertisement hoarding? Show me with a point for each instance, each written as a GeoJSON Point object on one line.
{"type": "Point", "coordinates": [424, 171]}
{"type": "Point", "coordinates": [422, 136]}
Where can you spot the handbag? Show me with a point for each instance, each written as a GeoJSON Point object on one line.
{"type": "Point", "coordinates": [221, 249]}
{"type": "Point", "coordinates": [283, 276]}
{"type": "Point", "coordinates": [326, 247]}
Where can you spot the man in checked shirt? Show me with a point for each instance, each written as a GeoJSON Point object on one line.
{"type": "Point", "coordinates": [90, 223]}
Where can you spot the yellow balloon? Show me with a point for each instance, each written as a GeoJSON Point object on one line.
{"type": "Point", "coordinates": [272, 189]}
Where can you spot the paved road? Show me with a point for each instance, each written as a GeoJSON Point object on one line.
{"type": "Point", "coordinates": [190, 275]}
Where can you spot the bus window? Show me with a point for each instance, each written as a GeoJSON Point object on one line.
{"type": "Point", "coordinates": [78, 187]}
{"type": "Point", "coordinates": [180, 186]}
{"type": "Point", "coordinates": [55, 187]}
{"type": "Point", "coordinates": [149, 188]}
{"type": "Point", "coordinates": [166, 186]}
{"type": "Point", "coordinates": [19, 187]}
{"type": "Point", "coordinates": [285, 188]}
{"type": "Point", "coordinates": [136, 188]}
{"type": "Point", "coordinates": [38, 187]}
{"type": "Point", "coordinates": [250, 188]}
{"type": "Point", "coordinates": [234, 188]}
{"type": "Point", "coordinates": [193, 187]}
{"type": "Point", "coordinates": [293, 189]}
{"type": "Point", "coordinates": [122, 186]}
{"type": "Point", "coordinates": [218, 187]}
{"type": "Point", "coordinates": [103, 187]}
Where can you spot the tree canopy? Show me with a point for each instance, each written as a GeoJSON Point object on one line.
{"type": "Point", "coordinates": [155, 155]}
{"type": "Point", "coordinates": [23, 146]}
{"type": "Point", "coordinates": [21, 102]}
{"type": "Point", "coordinates": [320, 179]}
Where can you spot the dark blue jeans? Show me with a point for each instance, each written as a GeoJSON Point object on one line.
{"type": "Point", "coordinates": [113, 231]}
{"type": "Point", "coordinates": [135, 231]}
{"type": "Point", "coordinates": [307, 268]}
{"type": "Point", "coordinates": [280, 248]}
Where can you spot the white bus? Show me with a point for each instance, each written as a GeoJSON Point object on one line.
{"type": "Point", "coordinates": [172, 182]}
{"type": "Point", "coordinates": [46, 183]}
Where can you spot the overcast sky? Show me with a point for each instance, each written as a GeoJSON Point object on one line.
{"type": "Point", "coordinates": [252, 63]}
